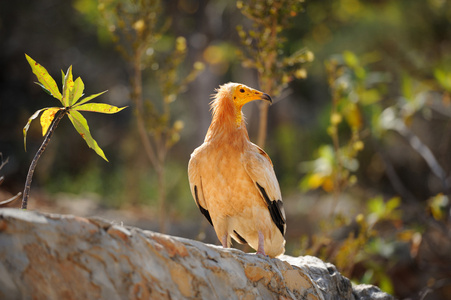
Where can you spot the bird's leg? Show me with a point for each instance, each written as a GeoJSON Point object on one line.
{"type": "Point", "coordinates": [224, 241]}
{"type": "Point", "coordinates": [261, 247]}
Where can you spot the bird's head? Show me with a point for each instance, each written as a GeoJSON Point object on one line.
{"type": "Point", "coordinates": [242, 94]}
{"type": "Point", "coordinates": [239, 94]}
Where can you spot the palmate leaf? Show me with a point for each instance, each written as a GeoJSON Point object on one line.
{"type": "Point", "coordinates": [81, 125]}
{"type": "Point", "coordinates": [47, 118]}
{"type": "Point", "coordinates": [46, 81]}
{"type": "Point", "coordinates": [99, 108]}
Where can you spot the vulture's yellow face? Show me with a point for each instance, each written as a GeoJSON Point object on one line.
{"type": "Point", "coordinates": [242, 94]}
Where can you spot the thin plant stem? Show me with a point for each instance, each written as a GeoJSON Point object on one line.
{"type": "Point", "coordinates": [34, 162]}
{"type": "Point", "coordinates": [10, 200]}
{"type": "Point", "coordinates": [267, 84]}
{"type": "Point", "coordinates": [14, 198]}
{"type": "Point", "coordinates": [162, 196]}
{"type": "Point", "coordinates": [426, 153]}
{"type": "Point", "coordinates": [335, 140]}
{"type": "Point", "coordinates": [139, 106]}
{"type": "Point", "coordinates": [263, 125]}
{"type": "Point", "coordinates": [155, 153]}
{"type": "Point", "coordinates": [3, 162]}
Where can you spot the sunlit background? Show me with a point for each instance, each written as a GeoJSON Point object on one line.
{"type": "Point", "coordinates": [359, 134]}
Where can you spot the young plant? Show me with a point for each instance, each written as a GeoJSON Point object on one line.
{"type": "Point", "coordinates": [72, 103]}
{"type": "Point", "coordinates": [137, 27]}
{"type": "Point", "coordinates": [354, 92]}
{"type": "Point", "coordinates": [370, 239]}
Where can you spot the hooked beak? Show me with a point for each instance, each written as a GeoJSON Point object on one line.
{"type": "Point", "coordinates": [266, 97]}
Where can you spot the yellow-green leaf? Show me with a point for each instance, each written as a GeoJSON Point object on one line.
{"type": "Point", "coordinates": [444, 78]}
{"type": "Point", "coordinates": [437, 205]}
{"type": "Point", "coordinates": [81, 125]}
{"type": "Point", "coordinates": [44, 88]}
{"type": "Point", "coordinates": [79, 87]}
{"type": "Point", "coordinates": [47, 118]}
{"type": "Point", "coordinates": [44, 78]}
{"type": "Point", "coordinates": [63, 76]}
{"type": "Point", "coordinates": [406, 87]}
{"type": "Point", "coordinates": [353, 116]}
{"type": "Point", "coordinates": [99, 107]}
{"type": "Point", "coordinates": [68, 87]}
{"type": "Point", "coordinates": [89, 98]}
{"type": "Point", "coordinates": [350, 59]}
{"type": "Point", "coordinates": [25, 129]}
{"type": "Point", "coordinates": [370, 96]}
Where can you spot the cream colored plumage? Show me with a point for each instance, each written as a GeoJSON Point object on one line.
{"type": "Point", "coordinates": [233, 181]}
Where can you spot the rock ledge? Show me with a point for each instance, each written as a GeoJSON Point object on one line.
{"type": "Point", "coordinates": [46, 256]}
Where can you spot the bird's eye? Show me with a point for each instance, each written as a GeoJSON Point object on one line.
{"type": "Point", "coordinates": [242, 90]}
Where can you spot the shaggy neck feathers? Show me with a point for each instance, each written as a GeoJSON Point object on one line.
{"type": "Point", "coordinates": [227, 118]}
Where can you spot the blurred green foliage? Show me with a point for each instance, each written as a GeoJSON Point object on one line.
{"type": "Point", "coordinates": [395, 81]}
{"type": "Point", "coordinates": [140, 32]}
{"type": "Point", "coordinates": [361, 114]}
{"type": "Point", "coordinates": [264, 48]}
{"type": "Point", "coordinates": [264, 44]}
{"type": "Point", "coordinates": [370, 241]}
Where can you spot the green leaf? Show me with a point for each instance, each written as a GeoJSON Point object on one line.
{"type": "Point", "coordinates": [89, 98]}
{"type": "Point", "coordinates": [351, 59]}
{"type": "Point", "coordinates": [68, 86]}
{"type": "Point", "coordinates": [376, 206]}
{"type": "Point", "coordinates": [81, 125]}
{"type": "Point", "coordinates": [392, 204]}
{"type": "Point", "coordinates": [62, 77]}
{"type": "Point", "coordinates": [99, 107]}
{"type": "Point", "coordinates": [406, 88]}
{"type": "Point", "coordinates": [47, 82]}
{"type": "Point", "coordinates": [77, 92]}
{"type": "Point", "coordinates": [25, 129]}
{"type": "Point", "coordinates": [444, 78]}
{"type": "Point", "coordinates": [370, 96]}
{"type": "Point", "coordinates": [43, 87]}
{"type": "Point", "coordinates": [47, 118]}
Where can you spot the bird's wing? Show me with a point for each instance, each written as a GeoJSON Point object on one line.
{"type": "Point", "coordinates": [259, 167]}
{"type": "Point", "coordinates": [195, 183]}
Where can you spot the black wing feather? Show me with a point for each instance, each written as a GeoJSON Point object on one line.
{"type": "Point", "coordinates": [202, 210]}
{"type": "Point", "coordinates": [275, 209]}
{"type": "Point", "coordinates": [239, 238]}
